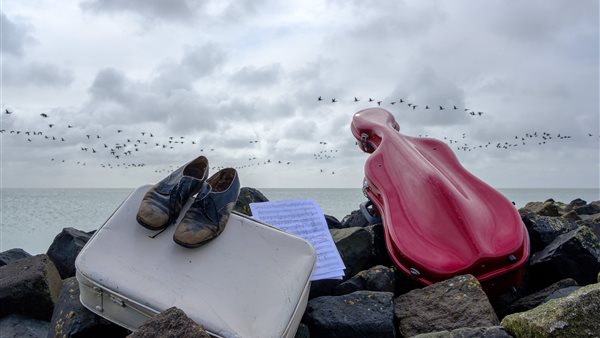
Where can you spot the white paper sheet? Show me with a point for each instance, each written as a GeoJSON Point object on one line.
{"type": "Point", "coordinates": [304, 218]}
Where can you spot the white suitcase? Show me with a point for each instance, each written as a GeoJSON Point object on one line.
{"type": "Point", "coordinates": [251, 281]}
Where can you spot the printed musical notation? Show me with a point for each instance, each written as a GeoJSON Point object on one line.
{"type": "Point", "coordinates": [304, 218]}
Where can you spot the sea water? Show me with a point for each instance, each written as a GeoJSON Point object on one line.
{"type": "Point", "coordinates": [31, 218]}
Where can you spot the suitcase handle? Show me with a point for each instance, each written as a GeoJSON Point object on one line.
{"type": "Point", "coordinates": [364, 209]}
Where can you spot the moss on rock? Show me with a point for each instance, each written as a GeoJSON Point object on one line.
{"type": "Point", "coordinates": [577, 315]}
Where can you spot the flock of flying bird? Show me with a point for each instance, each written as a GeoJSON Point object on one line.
{"type": "Point", "coordinates": [122, 154]}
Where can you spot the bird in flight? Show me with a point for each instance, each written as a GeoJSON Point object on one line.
{"type": "Point", "coordinates": [333, 100]}
{"type": "Point", "coordinates": [355, 99]}
{"type": "Point", "coordinates": [319, 99]}
{"type": "Point", "coordinates": [6, 111]}
{"type": "Point", "coordinates": [44, 115]}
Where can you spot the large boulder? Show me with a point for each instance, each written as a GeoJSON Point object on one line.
{"type": "Point", "coordinates": [544, 229]}
{"type": "Point", "coordinates": [30, 287]}
{"type": "Point", "coordinates": [451, 304]}
{"type": "Point", "coordinates": [71, 319]}
{"type": "Point", "coordinates": [377, 278]}
{"type": "Point", "coordinates": [355, 246]}
{"type": "Point", "coordinates": [359, 314]}
{"type": "Point", "coordinates": [530, 301]}
{"type": "Point", "coordinates": [355, 219]}
{"type": "Point", "coordinates": [578, 202]}
{"type": "Point", "coordinates": [547, 208]}
{"type": "Point", "coordinates": [575, 254]}
{"type": "Point", "coordinates": [12, 255]}
{"type": "Point", "coordinates": [17, 326]}
{"type": "Point", "coordinates": [469, 332]}
{"type": "Point", "coordinates": [576, 315]}
{"type": "Point", "coordinates": [332, 222]}
{"type": "Point", "coordinates": [64, 250]}
{"type": "Point", "coordinates": [588, 209]}
{"type": "Point", "coordinates": [247, 196]}
{"type": "Point", "coordinates": [171, 323]}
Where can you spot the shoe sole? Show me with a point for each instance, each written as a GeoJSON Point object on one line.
{"type": "Point", "coordinates": [149, 227]}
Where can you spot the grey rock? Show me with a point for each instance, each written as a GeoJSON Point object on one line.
{"type": "Point", "coordinates": [588, 209]}
{"type": "Point", "coordinates": [29, 286]}
{"type": "Point", "coordinates": [576, 315]}
{"type": "Point", "coordinates": [247, 196]}
{"type": "Point", "coordinates": [332, 222]}
{"type": "Point", "coordinates": [565, 257]}
{"type": "Point", "coordinates": [571, 216]}
{"type": "Point", "coordinates": [355, 246]}
{"type": "Point", "coordinates": [561, 293]}
{"type": "Point", "coordinates": [17, 326]}
{"type": "Point", "coordinates": [531, 301]}
{"type": "Point", "coordinates": [303, 331]}
{"type": "Point", "coordinates": [64, 250]}
{"type": "Point", "coordinates": [359, 314]}
{"type": "Point", "coordinates": [547, 208]}
{"type": "Point", "coordinates": [323, 287]}
{"type": "Point", "coordinates": [455, 303]}
{"type": "Point", "coordinates": [71, 319]}
{"type": "Point", "coordinates": [467, 332]}
{"type": "Point", "coordinates": [544, 229]}
{"type": "Point", "coordinates": [578, 202]}
{"type": "Point", "coordinates": [12, 255]}
{"type": "Point", "coordinates": [171, 323]}
{"type": "Point", "coordinates": [377, 278]}
{"type": "Point", "coordinates": [380, 255]}
{"type": "Point", "coordinates": [355, 219]}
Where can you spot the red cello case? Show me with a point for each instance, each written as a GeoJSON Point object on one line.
{"type": "Point", "coordinates": [440, 220]}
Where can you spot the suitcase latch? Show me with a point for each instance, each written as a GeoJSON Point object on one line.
{"type": "Point", "coordinates": [117, 300]}
{"type": "Point", "coordinates": [98, 292]}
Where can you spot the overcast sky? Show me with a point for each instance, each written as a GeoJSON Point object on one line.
{"type": "Point", "coordinates": [238, 81]}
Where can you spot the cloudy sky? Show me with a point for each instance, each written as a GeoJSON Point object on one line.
{"type": "Point", "coordinates": [238, 81]}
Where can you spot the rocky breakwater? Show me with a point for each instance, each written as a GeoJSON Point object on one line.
{"type": "Point", "coordinates": [559, 297]}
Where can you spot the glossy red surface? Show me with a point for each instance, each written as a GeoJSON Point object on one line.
{"type": "Point", "coordinates": [439, 219]}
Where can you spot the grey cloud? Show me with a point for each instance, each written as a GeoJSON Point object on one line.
{"type": "Point", "coordinates": [149, 9]}
{"type": "Point", "coordinates": [15, 36]}
{"type": "Point", "coordinates": [36, 74]}
{"type": "Point", "coordinates": [197, 62]}
{"type": "Point", "coordinates": [253, 77]}
{"type": "Point", "coordinates": [177, 11]}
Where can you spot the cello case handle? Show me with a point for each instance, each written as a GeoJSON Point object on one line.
{"type": "Point", "coordinates": [364, 209]}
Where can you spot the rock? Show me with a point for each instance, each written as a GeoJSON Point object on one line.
{"type": "Point", "coordinates": [576, 315]}
{"type": "Point", "coordinates": [29, 286]}
{"type": "Point", "coordinates": [377, 278]}
{"type": "Point", "coordinates": [12, 255]}
{"type": "Point", "coordinates": [303, 331]}
{"type": "Point", "coordinates": [380, 255]}
{"type": "Point", "coordinates": [355, 246]}
{"type": "Point", "coordinates": [355, 219]}
{"type": "Point", "coordinates": [571, 216]}
{"type": "Point", "coordinates": [71, 319]}
{"type": "Point", "coordinates": [64, 250]}
{"type": "Point", "coordinates": [565, 257]}
{"type": "Point", "coordinates": [467, 332]}
{"type": "Point", "coordinates": [332, 222]}
{"type": "Point", "coordinates": [359, 314]}
{"type": "Point", "coordinates": [561, 293]}
{"type": "Point", "coordinates": [171, 323]}
{"type": "Point", "coordinates": [323, 287]}
{"type": "Point", "coordinates": [17, 326]}
{"type": "Point", "coordinates": [247, 196]}
{"type": "Point", "coordinates": [547, 208]}
{"type": "Point", "coordinates": [578, 202]}
{"type": "Point", "coordinates": [451, 304]}
{"type": "Point", "coordinates": [535, 299]}
{"type": "Point", "coordinates": [588, 209]}
{"type": "Point", "coordinates": [543, 229]}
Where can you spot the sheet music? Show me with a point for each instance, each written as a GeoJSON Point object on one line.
{"type": "Point", "coordinates": [305, 219]}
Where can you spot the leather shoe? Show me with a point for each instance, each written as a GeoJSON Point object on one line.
{"type": "Point", "coordinates": [207, 216]}
{"type": "Point", "coordinates": [162, 203]}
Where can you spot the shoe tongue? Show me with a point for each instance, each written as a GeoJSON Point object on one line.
{"type": "Point", "coordinates": [205, 189]}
